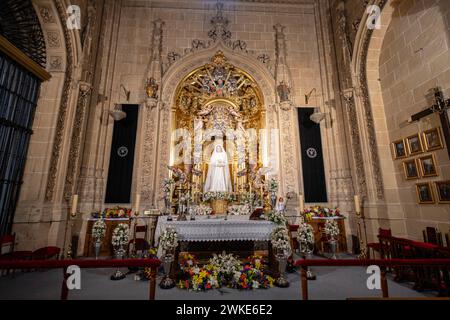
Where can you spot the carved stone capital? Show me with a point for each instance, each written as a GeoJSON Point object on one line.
{"type": "Point", "coordinates": [347, 94]}
{"type": "Point", "coordinates": [85, 88]}
{"type": "Point", "coordinates": [151, 103]}
{"type": "Point", "coordinates": [286, 105]}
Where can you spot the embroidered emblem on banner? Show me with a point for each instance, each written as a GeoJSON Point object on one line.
{"type": "Point", "coordinates": [311, 153]}
{"type": "Point", "coordinates": [122, 152]}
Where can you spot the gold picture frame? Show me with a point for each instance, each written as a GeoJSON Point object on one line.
{"type": "Point", "coordinates": [432, 139]}
{"type": "Point", "coordinates": [425, 194]}
{"type": "Point", "coordinates": [443, 191]}
{"type": "Point", "coordinates": [399, 149]}
{"type": "Point", "coordinates": [427, 165]}
{"type": "Point", "coordinates": [411, 169]}
{"type": "Point", "coordinates": [414, 144]}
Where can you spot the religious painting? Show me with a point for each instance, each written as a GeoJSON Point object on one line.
{"type": "Point", "coordinates": [410, 169]}
{"type": "Point", "coordinates": [428, 166]}
{"type": "Point", "coordinates": [425, 193]}
{"type": "Point", "coordinates": [443, 191]}
{"type": "Point", "coordinates": [414, 144]}
{"type": "Point", "coordinates": [399, 149]}
{"type": "Point", "coordinates": [433, 139]}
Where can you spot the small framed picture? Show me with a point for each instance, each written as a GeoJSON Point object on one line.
{"type": "Point", "coordinates": [414, 144]}
{"type": "Point", "coordinates": [433, 139]}
{"type": "Point", "coordinates": [399, 149]}
{"type": "Point", "coordinates": [425, 193]}
{"type": "Point", "coordinates": [443, 191]}
{"type": "Point", "coordinates": [411, 169]}
{"type": "Point", "coordinates": [427, 166]}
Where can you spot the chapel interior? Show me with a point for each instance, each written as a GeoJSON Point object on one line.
{"type": "Point", "coordinates": [220, 123]}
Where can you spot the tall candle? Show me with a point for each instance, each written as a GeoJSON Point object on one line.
{"type": "Point", "coordinates": [301, 203]}
{"type": "Point", "coordinates": [138, 202]}
{"type": "Point", "coordinates": [73, 209]}
{"type": "Point", "coordinates": [357, 204]}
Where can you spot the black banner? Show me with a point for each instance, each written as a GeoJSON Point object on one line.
{"type": "Point", "coordinates": [120, 174]}
{"type": "Point", "coordinates": [312, 157]}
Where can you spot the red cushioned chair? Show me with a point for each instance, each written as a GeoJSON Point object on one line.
{"type": "Point", "coordinates": [8, 242]}
{"type": "Point", "coordinates": [46, 253]}
{"type": "Point", "coordinates": [139, 244]}
{"type": "Point", "coordinates": [293, 231]}
{"type": "Point", "coordinates": [376, 246]}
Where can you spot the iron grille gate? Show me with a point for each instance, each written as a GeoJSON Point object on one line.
{"type": "Point", "coordinates": [19, 91]}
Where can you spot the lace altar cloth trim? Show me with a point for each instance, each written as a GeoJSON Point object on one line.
{"type": "Point", "coordinates": [236, 228]}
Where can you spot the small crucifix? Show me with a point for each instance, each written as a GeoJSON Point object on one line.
{"type": "Point", "coordinates": [440, 106]}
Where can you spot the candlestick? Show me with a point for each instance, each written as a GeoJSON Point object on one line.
{"type": "Point", "coordinates": [357, 204]}
{"type": "Point", "coordinates": [137, 203]}
{"type": "Point", "coordinates": [73, 209]}
{"type": "Point", "coordinates": [302, 203]}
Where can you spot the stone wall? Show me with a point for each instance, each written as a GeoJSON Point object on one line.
{"type": "Point", "coordinates": [414, 58]}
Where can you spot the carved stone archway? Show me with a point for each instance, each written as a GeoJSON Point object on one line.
{"type": "Point", "coordinates": [159, 120]}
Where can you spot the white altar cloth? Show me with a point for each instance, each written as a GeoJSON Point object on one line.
{"type": "Point", "coordinates": [235, 228]}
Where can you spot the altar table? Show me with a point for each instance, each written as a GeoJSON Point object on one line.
{"type": "Point", "coordinates": [203, 236]}
{"type": "Point", "coordinates": [234, 228]}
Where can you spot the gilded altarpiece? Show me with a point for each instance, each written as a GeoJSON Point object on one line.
{"type": "Point", "coordinates": [219, 102]}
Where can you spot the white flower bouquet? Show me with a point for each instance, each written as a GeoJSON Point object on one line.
{"type": "Point", "coordinates": [272, 186]}
{"type": "Point", "coordinates": [225, 263]}
{"type": "Point", "coordinates": [305, 235]}
{"type": "Point", "coordinates": [168, 239]}
{"type": "Point", "coordinates": [99, 230]}
{"type": "Point", "coordinates": [167, 185]}
{"type": "Point", "coordinates": [218, 195]}
{"type": "Point", "coordinates": [280, 240]}
{"type": "Point", "coordinates": [277, 218]}
{"type": "Point", "coordinates": [239, 210]}
{"type": "Point", "coordinates": [332, 229]}
{"type": "Point", "coordinates": [201, 210]}
{"type": "Point", "coordinates": [120, 235]}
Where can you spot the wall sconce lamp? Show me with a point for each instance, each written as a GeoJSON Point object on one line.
{"type": "Point", "coordinates": [308, 96]}
{"type": "Point", "coordinates": [127, 92]}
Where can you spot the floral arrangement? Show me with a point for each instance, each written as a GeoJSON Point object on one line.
{"type": "Point", "coordinates": [120, 235]}
{"type": "Point", "coordinates": [250, 198]}
{"type": "Point", "coordinates": [225, 263]}
{"type": "Point", "coordinates": [99, 229]}
{"type": "Point", "coordinates": [201, 210]}
{"type": "Point", "coordinates": [277, 218]}
{"type": "Point", "coordinates": [216, 274]}
{"type": "Point", "coordinates": [251, 278]}
{"type": "Point", "coordinates": [187, 261]}
{"type": "Point", "coordinates": [168, 239]}
{"type": "Point", "coordinates": [280, 240]}
{"type": "Point", "coordinates": [322, 212]}
{"type": "Point", "coordinates": [272, 186]}
{"type": "Point", "coordinates": [305, 235]}
{"type": "Point", "coordinates": [218, 195]}
{"type": "Point", "coordinates": [332, 229]}
{"type": "Point", "coordinates": [178, 174]}
{"type": "Point", "coordinates": [108, 213]}
{"type": "Point", "coordinates": [167, 187]}
{"type": "Point", "coordinates": [150, 254]}
{"type": "Point", "coordinates": [198, 279]}
{"type": "Point", "coordinates": [239, 210]}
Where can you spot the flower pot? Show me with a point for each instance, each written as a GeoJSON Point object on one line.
{"type": "Point", "coordinates": [219, 206]}
{"type": "Point", "coordinates": [273, 201]}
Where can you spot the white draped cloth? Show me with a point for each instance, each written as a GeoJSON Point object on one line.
{"type": "Point", "coordinates": [218, 178]}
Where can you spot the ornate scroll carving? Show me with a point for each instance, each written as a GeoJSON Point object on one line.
{"type": "Point", "coordinates": [153, 83]}
{"type": "Point", "coordinates": [74, 153]}
{"type": "Point", "coordinates": [219, 33]}
{"type": "Point", "coordinates": [355, 140]}
{"type": "Point", "coordinates": [60, 124]}
{"type": "Point", "coordinates": [364, 96]}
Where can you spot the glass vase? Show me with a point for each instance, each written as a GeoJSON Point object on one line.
{"type": "Point", "coordinates": [97, 247]}
{"type": "Point", "coordinates": [119, 254]}
{"type": "Point", "coordinates": [281, 257]}
{"type": "Point", "coordinates": [167, 282]}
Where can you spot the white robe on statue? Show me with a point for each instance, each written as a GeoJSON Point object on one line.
{"type": "Point", "coordinates": [218, 178]}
